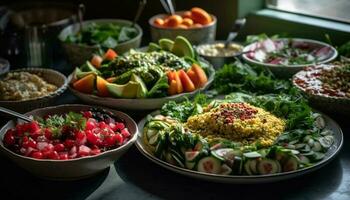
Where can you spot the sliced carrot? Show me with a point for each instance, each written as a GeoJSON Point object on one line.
{"type": "Point", "coordinates": [173, 21]}
{"type": "Point", "coordinates": [96, 61]}
{"type": "Point", "coordinates": [159, 22]}
{"type": "Point", "coordinates": [172, 88]}
{"type": "Point", "coordinates": [193, 77]}
{"type": "Point", "coordinates": [171, 76]}
{"type": "Point", "coordinates": [111, 79]}
{"type": "Point", "coordinates": [202, 77]}
{"type": "Point", "coordinates": [187, 22]}
{"type": "Point", "coordinates": [186, 81]}
{"type": "Point", "coordinates": [86, 84]}
{"type": "Point", "coordinates": [200, 16]}
{"type": "Point", "coordinates": [180, 88]}
{"type": "Point", "coordinates": [110, 54]}
{"type": "Point", "coordinates": [101, 85]}
{"type": "Point", "coordinates": [186, 14]}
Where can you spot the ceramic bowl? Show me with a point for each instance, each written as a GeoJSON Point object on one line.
{"type": "Point", "coordinates": [77, 54]}
{"type": "Point", "coordinates": [51, 76]}
{"type": "Point", "coordinates": [286, 71]}
{"type": "Point", "coordinates": [196, 36]}
{"type": "Point", "coordinates": [75, 168]}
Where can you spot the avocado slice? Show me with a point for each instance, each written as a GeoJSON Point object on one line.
{"type": "Point", "coordinates": [128, 90]}
{"type": "Point", "coordinates": [88, 67]}
{"type": "Point", "coordinates": [142, 89]}
{"type": "Point", "coordinates": [80, 74]}
{"type": "Point", "coordinates": [182, 47]}
{"type": "Point", "coordinates": [166, 44]}
{"type": "Point", "coordinates": [153, 47]}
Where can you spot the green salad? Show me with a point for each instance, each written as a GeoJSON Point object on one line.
{"type": "Point", "coordinates": [104, 35]}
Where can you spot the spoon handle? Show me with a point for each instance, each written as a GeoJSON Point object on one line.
{"type": "Point", "coordinates": [81, 11]}
{"type": "Point", "coordinates": [16, 114]}
{"type": "Point", "coordinates": [142, 5]}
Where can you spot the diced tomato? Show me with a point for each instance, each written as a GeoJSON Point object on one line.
{"type": "Point", "coordinates": [110, 54]}
{"type": "Point", "coordinates": [125, 133]}
{"type": "Point", "coordinates": [9, 138]}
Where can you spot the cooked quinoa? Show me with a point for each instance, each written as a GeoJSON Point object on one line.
{"type": "Point", "coordinates": [240, 122]}
{"type": "Point", "coordinates": [16, 86]}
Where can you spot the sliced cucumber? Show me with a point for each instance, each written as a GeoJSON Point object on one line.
{"type": "Point", "coordinates": [306, 148]}
{"type": "Point", "coordinates": [326, 132]}
{"type": "Point", "coordinates": [303, 159]}
{"type": "Point", "coordinates": [225, 170]}
{"type": "Point", "coordinates": [299, 146]}
{"type": "Point", "coordinates": [153, 47]}
{"type": "Point", "coordinates": [317, 147]}
{"type": "Point", "coordinates": [190, 165]}
{"type": "Point", "coordinates": [209, 165]}
{"type": "Point", "coordinates": [191, 155]}
{"type": "Point", "coordinates": [326, 141]}
{"type": "Point", "coordinates": [320, 122]}
{"type": "Point", "coordinates": [160, 146]}
{"type": "Point", "coordinates": [252, 154]}
{"type": "Point", "coordinates": [224, 154]}
{"type": "Point", "coordinates": [247, 168]}
{"type": "Point", "coordinates": [253, 165]}
{"type": "Point", "coordinates": [318, 156]}
{"type": "Point", "coordinates": [237, 165]}
{"type": "Point", "coordinates": [166, 44]}
{"type": "Point", "coordinates": [291, 164]}
{"type": "Point", "coordinates": [268, 166]}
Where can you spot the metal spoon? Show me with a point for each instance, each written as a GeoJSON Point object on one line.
{"type": "Point", "coordinates": [142, 5]}
{"type": "Point", "coordinates": [81, 11]}
{"type": "Point", "coordinates": [168, 6]}
{"type": "Point", "coordinates": [239, 23]}
{"type": "Point", "coordinates": [15, 114]}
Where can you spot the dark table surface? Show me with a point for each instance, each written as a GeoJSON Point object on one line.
{"type": "Point", "coordinates": [135, 177]}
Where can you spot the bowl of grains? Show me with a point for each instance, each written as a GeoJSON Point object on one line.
{"type": "Point", "coordinates": [29, 88]}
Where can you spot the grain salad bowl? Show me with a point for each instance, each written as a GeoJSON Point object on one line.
{"type": "Point", "coordinates": [50, 76]}
{"type": "Point", "coordinates": [75, 168]}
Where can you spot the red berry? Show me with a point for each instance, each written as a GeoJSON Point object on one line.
{"type": "Point", "coordinates": [59, 147]}
{"type": "Point", "coordinates": [125, 133]}
{"type": "Point", "coordinates": [48, 133]}
{"type": "Point", "coordinates": [9, 138]}
{"type": "Point", "coordinates": [37, 155]}
{"type": "Point", "coordinates": [63, 155]}
{"type": "Point", "coordinates": [80, 138]}
{"type": "Point", "coordinates": [110, 140]}
{"type": "Point", "coordinates": [90, 124]}
{"type": "Point", "coordinates": [119, 126]}
{"type": "Point", "coordinates": [119, 139]}
{"type": "Point", "coordinates": [69, 143]}
{"type": "Point", "coordinates": [87, 114]}
{"type": "Point", "coordinates": [54, 155]}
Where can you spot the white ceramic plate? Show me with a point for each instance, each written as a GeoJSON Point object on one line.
{"type": "Point", "coordinates": [138, 104]}
{"type": "Point", "coordinates": [331, 153]}
{"type": "Point", "coordinates": [288, 70]}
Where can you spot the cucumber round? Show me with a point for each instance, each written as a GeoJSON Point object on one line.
{"type": "Point", "coordinates": [317, 147]}
{"type": "Point", "coordinates": [191, 155]}
{"type": "Point", "coordinates": [190, 165]}
{"type": "Point", "coordinates": [252, 154]}
{"type": "Point", "coordinates": [225, 169]}
{"type": "Point", "coordinates": [291, 164]}
{"type": "Point", "coordinates": [268, 166]}
{"type": "Point", "coordinates": [209, 165]}
{"type": "Point", "coordinates": [224, 154]}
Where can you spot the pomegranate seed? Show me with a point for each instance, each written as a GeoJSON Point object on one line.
{"type": "Point", "coordinates": [59, 147]}
{"type": "Point", "coordinates": [80, 138]}
{"type": "Point", "coordinates": [37, 155]}
{"type": "Point", "coordinates": [87, 114]}
{"type": "Point", "coordinates": [69, 143]}
{"type": "Point", "coordinates": [119, 139]}
{"type": "Point", "coordinates": [54, 155]}
{"type": "Point", "coordinates": [48, 133]}
{"type": "Point", "coordinates": [63, 155]}
{"type": "Point", "coordinates": [119, 126]}
{"type": "Point", "coordinates": [9, 138]}
{"type": "Point", "coordinates": [125, 133]}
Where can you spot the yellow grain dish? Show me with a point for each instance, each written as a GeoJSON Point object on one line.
{"type": "Point", "coordinates": [20, 86]}
{"type": "Point", "coordinates": [240, 122]}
